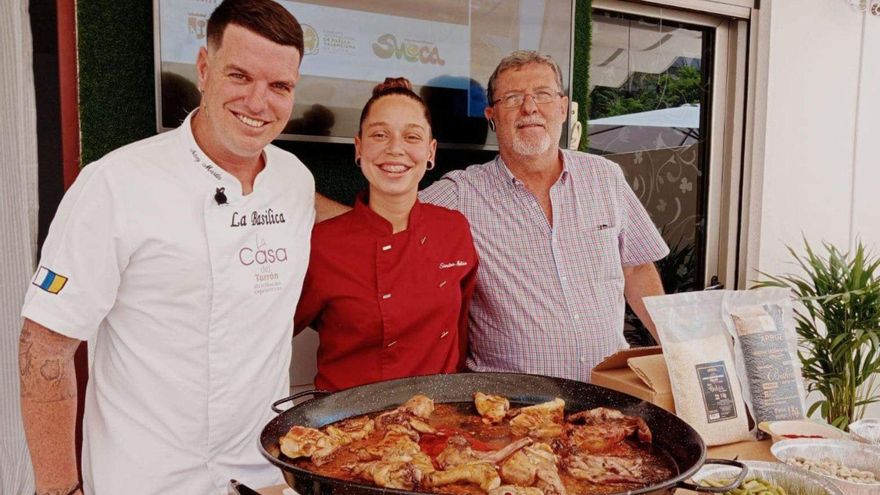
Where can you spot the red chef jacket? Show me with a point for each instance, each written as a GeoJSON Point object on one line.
{"type": "Point", "coordinates": [388, 305]}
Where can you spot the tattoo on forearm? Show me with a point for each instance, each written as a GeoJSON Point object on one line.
{"type": "Point", "coordinates": [25, 343]}
{"type": "Point", "coordinates": [44, 378]}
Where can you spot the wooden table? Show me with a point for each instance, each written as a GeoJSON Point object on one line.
{"type": "Point", "coordinates": [753, 451]}
{"type": "Point", "coordinates": [750, 451]}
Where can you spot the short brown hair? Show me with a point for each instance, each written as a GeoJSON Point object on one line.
{"type": "Point", "coordinates": [518, 59]}
{"type": "Point", "coordinates": [393, 86]}
{"type": "Point", "coordinates": [263, 17]}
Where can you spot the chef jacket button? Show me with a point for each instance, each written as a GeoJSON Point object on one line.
{"type": "Point", "coordinates": [386, 247]}
{"type": "Point", "coordinates": [392, 343]}
{"type": "Point", "coordinates": [577, 316]}
{"type": "Point", "coordinates": [386, 296]}
{"type": "Point", "coordinates": [583, 359]}
{"type": "Point", "coordinates": [444, 334]}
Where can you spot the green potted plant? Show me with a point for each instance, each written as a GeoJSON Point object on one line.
{"type": "Point", "coordinates": [838, 324]}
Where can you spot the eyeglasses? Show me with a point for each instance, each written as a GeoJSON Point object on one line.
{"type": "Point", "coordinates": [514, 100]}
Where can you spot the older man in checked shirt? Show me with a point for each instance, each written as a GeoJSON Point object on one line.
{"type": "Point", "coordinates": [561, 237]}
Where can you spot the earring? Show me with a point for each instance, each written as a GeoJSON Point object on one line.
{"type": "Point", "coordinates": [492, 125]}
{"type": "Point", "coordinates": [357, 161]}
{"type": "Point", "coordinates": [430, 165]}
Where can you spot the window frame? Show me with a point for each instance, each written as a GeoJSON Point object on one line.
{"type": "Point", "coordinates": [730, 19]}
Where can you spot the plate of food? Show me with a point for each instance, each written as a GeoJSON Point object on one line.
{"type": "Point", "coordinates": [851, 466]}
{"type": "Point", "coordinates": [799, 429]}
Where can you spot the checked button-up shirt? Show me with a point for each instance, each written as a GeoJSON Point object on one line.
{"type": "Point", "coordinates": [549, 298]}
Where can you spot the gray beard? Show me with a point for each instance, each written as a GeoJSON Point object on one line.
{"type": "Point", "coordinates": [531, 147]}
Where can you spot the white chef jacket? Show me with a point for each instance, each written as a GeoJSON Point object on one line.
{"type": "Point", "coordinates": [189, 304]}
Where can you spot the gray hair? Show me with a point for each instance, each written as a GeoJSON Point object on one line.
{"type": "Point", "coordinates": [518, 59]}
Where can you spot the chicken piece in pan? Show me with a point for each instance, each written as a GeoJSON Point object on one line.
{"type": "Point", "coordinates": [458, 451]}
{"type": "Point", "coordinates": [480, 473]}
{"type": "Point", "coordinates": [414, 414]}
{"type": "Point", "coordinates": [401, 463]}
{"type": "Point", "coordinates": [420, 405]}
{"type": "Point", "coordinates": [542, 421]}
{"type": "Point", "coordinates": [398, 440]}
{"type": "Point", "coordinates": [349, 430]}
{"type": "Point", "coordinates": [600, 429]}
{"type": "Point", "coordinates": [519, 470]}
{"type": "Point", "coordinates": [605, 469]}
{"type": "Point", "coordinates": [400, 473]}
{"type": "Point", "coordinates": [492, 408]}
{"type": "Point", "coordinates": [534, 465]}
{"type": "Point", "coordinates": [301, 441]}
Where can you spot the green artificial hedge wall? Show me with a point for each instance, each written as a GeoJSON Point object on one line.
{"type": "Point", "coordinates": [580, 85]}
{"type": "Point", "coordinates": [116, 89]}
{"type": "Point", "coordinates": [117, 95]}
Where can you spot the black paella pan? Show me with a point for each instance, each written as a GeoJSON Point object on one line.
{"type": "Point", "coordinates": [672, 436]}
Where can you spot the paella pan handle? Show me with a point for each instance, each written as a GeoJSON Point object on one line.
{"type": "Point", "coordinates": [297, 395]}
{"type": "Point", "coordinates": [720, 489]}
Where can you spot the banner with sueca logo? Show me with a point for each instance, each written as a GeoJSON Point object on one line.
{"type": "Point", "coordinates": [353, 44]}
{"type": "Point", "coordinates": [344, 43]}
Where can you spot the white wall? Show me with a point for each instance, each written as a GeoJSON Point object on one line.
{"type": "Point", "coordinates": [821, 157]}
{"type": "Point", "coordinates": [866, 196]}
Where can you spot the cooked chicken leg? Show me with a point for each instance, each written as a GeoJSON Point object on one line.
{"type": "Point", "coordinates": [458, 451]}
{"type": "Point", "coordinates": [479, 473]}
{"type": "Point", "coordinates": [400, 473]}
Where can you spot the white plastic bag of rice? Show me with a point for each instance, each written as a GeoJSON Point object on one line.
{"type": "Point", "coordinates": [765, 351]}
{"type": "Point", "coordinates": [697, 350]}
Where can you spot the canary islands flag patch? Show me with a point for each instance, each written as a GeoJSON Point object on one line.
{"type": "Point", "coordinates": [49, 281]}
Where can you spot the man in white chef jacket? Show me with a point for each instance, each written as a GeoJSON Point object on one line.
{"type": "Point", "coordinates": [182, 258]}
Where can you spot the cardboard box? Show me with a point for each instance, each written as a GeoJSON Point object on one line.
{"type": "Point", "coordinates": [640, 372]}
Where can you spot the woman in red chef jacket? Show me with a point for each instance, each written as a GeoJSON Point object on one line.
{"type": "Point", "coordinates": [389, 282]}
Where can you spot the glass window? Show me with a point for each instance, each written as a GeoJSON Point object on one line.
{"type": "Point", "coordinates": [650, 94]}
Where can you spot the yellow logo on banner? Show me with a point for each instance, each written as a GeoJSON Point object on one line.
{"type": "Point", "coordinates": [310, 40]}
{"type": "Point", "coordinates": [386, 46]}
